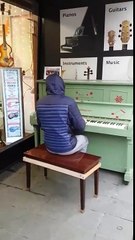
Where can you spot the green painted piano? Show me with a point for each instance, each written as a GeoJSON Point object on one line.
{"type": "Point", "coordinates": [107, 107]}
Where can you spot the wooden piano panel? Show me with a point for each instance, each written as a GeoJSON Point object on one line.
{"type": "Point", "coordinates": [85, 93]}
{"type": "Point", "coordinates": [119, 96]}
{"type": "Point", "coordinates": [100, 91]}
{"type": "Point", "coordinates": [105, 110]}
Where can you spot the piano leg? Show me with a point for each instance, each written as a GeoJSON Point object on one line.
{"type": "Point", "coordinates": [36, 135]}
{"type": "Point", "coordinates": [129, 169]}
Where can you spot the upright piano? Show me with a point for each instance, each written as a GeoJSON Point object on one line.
{"type": "Point", "coordinates": [107, 107]}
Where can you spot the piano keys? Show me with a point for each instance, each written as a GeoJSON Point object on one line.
{"type": "Point", "coordinates": [107, 107]}
{"type": "Point", "coordinates": [105, 123]}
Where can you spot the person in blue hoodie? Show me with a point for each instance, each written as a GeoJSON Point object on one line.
{"type": "Point", "coordinates": [60, 119]}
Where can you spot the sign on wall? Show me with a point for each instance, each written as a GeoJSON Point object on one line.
{"type": "Point", "coordinates": [12, 104]}
{"type": "Point", "coordinates": [79, 68]}
{"type": "Point", "coordinates": [118, 31]}
{"type": "Point", "coordinates": [78, 30]}
{"type": "Point", "coordinates": [118, 68]}
{"type": "Point", "coordinates": [71, 26]}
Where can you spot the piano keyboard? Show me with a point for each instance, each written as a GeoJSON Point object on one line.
{"type": "Point", "coordinates": [105, 123]}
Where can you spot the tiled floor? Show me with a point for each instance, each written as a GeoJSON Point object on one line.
{"type": "Point", "coordinates": [51, 210]}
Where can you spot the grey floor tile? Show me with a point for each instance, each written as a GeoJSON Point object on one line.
{"type": "Point", "coordinates": [115, 228]}
{"type": "Point", "coordinates": [6, 235]}
{"type": "Point", "coordinates": [112, 206]}
{"type": "Point", "coordinates": [51, 211]}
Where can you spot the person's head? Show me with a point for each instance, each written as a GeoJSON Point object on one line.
{"type": "Point", "coordinates": [55, 85]}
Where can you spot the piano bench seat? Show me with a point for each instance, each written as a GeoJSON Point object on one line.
{"type": "Point", "coordinates": [79, 165]}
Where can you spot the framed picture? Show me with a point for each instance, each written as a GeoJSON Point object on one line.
{"type": "Point", "coordinates": [51, 70]}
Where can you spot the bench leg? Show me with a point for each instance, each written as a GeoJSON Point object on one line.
{"type": "Point", "coordinates": [96, 182]}
{"type": "Point", "coordinates": [45, 172]}
{"type": "Point", "coordinates": [82, 194]}
{"type": "Point", "coordinates": [28, 175]}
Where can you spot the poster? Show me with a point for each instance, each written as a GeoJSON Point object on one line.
{"type": "Point", "coordinates": [79, 68]}
{"type": "Point", "coordinates": [78, 30]}
{"type": "Point", "coordinates": [118, 31]}
{"type": "Point", "coordinates": [12, 104]}
{"type": "Point", "coordinates": [118, 68]}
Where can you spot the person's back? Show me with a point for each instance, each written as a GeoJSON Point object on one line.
{"type": "Point", "coordinates": [59, 117]}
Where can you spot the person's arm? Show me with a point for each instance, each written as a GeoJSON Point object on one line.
{"type": "Point", "coordinates": [77, 123]}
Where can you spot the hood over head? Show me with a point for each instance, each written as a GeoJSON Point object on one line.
{"type": "Point", "coordinates": [55, 85]}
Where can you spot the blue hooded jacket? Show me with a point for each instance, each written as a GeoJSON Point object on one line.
{"type": "Point", "coordinates": [59, 117]}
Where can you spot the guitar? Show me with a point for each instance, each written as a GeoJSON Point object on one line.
{"type": "Point", "coordinates": [6, 60]}
{"type": "Point", "coordinates": [111, 39]}
{"type": "Point", "coordinates": [125, 33]}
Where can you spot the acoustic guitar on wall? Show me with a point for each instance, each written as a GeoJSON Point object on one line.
{"type": "Point", "coordinates": [6, 59]}
{"type": "Point", "coordinates": [125, 33]}
{"type": "Point", "coordinates": [111, 39]}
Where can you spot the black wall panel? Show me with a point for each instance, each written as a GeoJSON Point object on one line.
{"type": "Point", "coordinates": [49, 52]}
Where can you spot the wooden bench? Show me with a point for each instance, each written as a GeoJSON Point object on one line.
{"type": "Point", "coordinates": [79, 165]}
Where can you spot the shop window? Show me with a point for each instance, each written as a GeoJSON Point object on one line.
{"type": "Point", "coordinates": [18, 48]}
